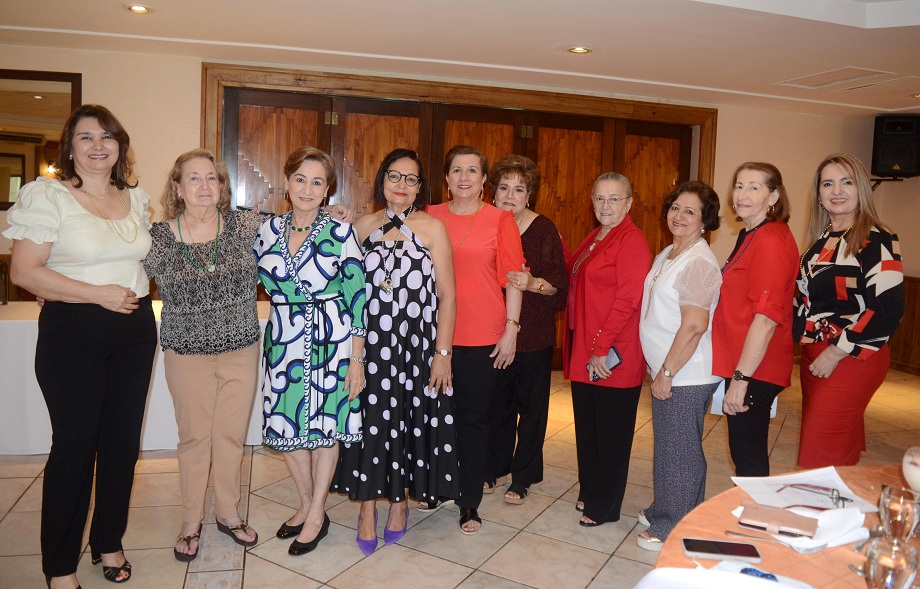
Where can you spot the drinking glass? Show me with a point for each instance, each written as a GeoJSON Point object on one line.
{"type": "Point", "coordinates": [911, 467]}
{"type": "Point", "coordinates": [890, 565]}
{"type": "Point", "coordinates": [898, 511]}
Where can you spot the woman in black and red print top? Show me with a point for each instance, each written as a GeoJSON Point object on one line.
{"type": "Point", "coordinates": [850, 301]}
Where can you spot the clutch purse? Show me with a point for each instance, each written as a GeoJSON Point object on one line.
{"type": "Point", "coordinates": [776, 520]}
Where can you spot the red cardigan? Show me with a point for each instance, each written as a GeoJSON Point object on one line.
{"type": "Point", "coordinates": [604, 301]}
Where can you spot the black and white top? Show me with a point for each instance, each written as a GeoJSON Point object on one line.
{"type": "Point", "coordinates": [207, 312]}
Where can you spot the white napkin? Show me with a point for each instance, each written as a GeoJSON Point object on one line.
{"type": "Point", "coordinates": [835, 527]}
{"type": "Point", "coordinates": [674, 578]}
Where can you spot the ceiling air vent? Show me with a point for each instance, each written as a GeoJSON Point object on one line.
{"type": "Point", "coordinates": [845, 75]}
{"type": "Point", "coordinates": [22, 138]}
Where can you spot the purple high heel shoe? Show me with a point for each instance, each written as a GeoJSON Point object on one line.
{"type": "Point", "coordinates": [367, 547]}
{"type": "Point", "coordinates": [389, 536]}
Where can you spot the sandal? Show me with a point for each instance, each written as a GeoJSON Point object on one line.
{"type": "Point", "coordinates": [468, 515]}
{"type": "Point", "coordinates": [642, 519]}
{"type": "Point", "coordinates": [240, 527]}
{"type": "Point", "coordinates": [111, 573]}
{"type": "Point", "coordinates": [187, 556]}
{"type": "Point", "coordinates": [648, 541]}
{"type": "Point", "coordinates": [433, 505]}
{"type": "Point", "coordinates": [516, 489]}
{"type": "Point", "coordinates": [488, 487]}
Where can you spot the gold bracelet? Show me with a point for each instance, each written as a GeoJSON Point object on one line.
{"type": "Point", "coordinates": [541, 286]}
{"type": "Point", "coordinates": [360, 361]}
{"type": "Point", "coordinates": [513, 322]}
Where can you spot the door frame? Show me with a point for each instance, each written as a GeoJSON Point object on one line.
{"type": "Point", "coordinates": [217, 76]}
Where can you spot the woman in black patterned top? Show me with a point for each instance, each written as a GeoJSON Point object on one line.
{"type": "Point", "coordinates": [850, 301]}
{"type": "Point", "coordinates": [204, 268]}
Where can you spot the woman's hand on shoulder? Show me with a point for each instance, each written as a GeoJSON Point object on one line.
{"type": "Point", "coordinates": [341, 212]}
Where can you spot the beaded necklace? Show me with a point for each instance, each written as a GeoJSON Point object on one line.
{"type": "Point", "coordinates": [208, 266]}
{"type": "Point", "coordinates": [387, 284]}
{"type": "Point", "coordinates": [824, 251]}
{"type": "Point", "coordinates": [92, 199]}
{"type": "Point", "coordinates": [732, 260]}
{"type": "Point", "coordinates": [669, 263]}
{"type": "Point", "coordinates": [289, 222]}
{"type": "Point", "coordinates": [468, 229]}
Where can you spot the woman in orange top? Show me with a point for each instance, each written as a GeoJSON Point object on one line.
{"type": "Point", "coordinates": [486, 245]}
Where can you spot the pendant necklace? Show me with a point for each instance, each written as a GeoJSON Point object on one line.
{"type": "Point", "coordinates": [668, 263]}
{"type": "Point", "coordinates": [584, 255]}
{"type": "Point", "coordinates": [470, 228]}
{"type": "Point", "coordinates": [207, 266]}
{"type": "Point", "coordinates": [825, 251]}
{"type": "Point", "coordinates": [132, 216]}
{"type": "Point", "coordinates": [386, 285]}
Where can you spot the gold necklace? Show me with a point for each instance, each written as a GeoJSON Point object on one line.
{"type": "Point", "coordinates": [92, 199]}
{"type": "Point", "coordinates": [666, 262]}
{"type": "Point", "coordinates": [824, 251]}
{"type": "Point", "coordinates": [468, 229]}
{"type": "Point", "coordinates": [584, 255]}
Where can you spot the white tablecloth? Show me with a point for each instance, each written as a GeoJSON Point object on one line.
{"type": "Point", "coordinates": [24, 424]}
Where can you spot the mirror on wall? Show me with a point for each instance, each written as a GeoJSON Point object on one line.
{"type": "Point", "coordinates": [33, 108]}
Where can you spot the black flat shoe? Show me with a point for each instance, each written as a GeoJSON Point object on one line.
{"type": "Point", "coordinates": [589, 524]}
{"type": "Point", "coordinates": [297, 548]}
{"type": "Point", "coordinates": [286, 531]}
{"type": "Point", "coordinates": [48, 581]}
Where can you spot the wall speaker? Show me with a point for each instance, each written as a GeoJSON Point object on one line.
{"type": "Point", "coordinates": [896, 147]}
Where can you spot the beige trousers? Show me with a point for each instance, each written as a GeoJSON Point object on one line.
{"type": "Point", "coordinates": [213, 398]}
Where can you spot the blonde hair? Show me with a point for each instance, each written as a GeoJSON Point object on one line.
{"type": "Point", "coordinates": [866, 215]}
{"type": "Point", "coordinates": [173, 205]}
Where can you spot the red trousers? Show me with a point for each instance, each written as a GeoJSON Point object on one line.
{"type": "Point", "coordinates": [833, 433]}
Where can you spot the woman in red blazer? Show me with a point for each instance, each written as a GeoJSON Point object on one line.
{"type": "Point", "coordinates": [606, 275]}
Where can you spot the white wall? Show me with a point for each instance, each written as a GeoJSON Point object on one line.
{"type": "Point", "coordinates": [158, 99]}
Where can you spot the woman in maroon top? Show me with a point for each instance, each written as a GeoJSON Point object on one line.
{"type": "Point", "coordinates": [520, 407]}
{"type": "Point", "coordinates": [752, 325]}
{"type": "Point", "coordinates": [606, 275]}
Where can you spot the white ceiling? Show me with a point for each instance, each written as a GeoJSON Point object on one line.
{"type": "Point", "coordinates": [707, 52]}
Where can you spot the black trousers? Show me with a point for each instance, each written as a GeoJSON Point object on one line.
{"type": "Point", "coordinates": [474, 379]}
{"type": "Point", "coordinates": [521, 408]}
{"type": "Point", "coordinates": [748, 431]}
{"type": "Point", "coordinates": [605, 419]}
{"type": "Point", "coordinates": [93, 366]}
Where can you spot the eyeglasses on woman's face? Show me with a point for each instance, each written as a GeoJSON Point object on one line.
{"type": "Point", "coordinates": [394, 177]}
{"type": "Point", "coordinates": [609, 200]}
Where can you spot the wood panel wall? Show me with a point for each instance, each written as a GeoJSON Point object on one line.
{"type": "Point", "coordinates": [905, 345]}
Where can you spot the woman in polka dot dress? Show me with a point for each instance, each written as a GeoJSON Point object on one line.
{"type": "Point", "coordinates": [409, 447]}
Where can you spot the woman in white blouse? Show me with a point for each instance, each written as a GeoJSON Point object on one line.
{"type": "Point", "coordinates": [675, 328]}
{"type": "Point", "coordinates": [78, 242]}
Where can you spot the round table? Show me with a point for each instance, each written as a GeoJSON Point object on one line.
{"type": "Point", "coordinates": [826, 569]}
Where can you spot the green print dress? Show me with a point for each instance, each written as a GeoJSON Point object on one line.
{"type": "Point", "coordinates": [317, 297]}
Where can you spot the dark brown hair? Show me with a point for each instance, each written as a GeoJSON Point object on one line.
{"type": "Point", "coordinates": [308, 153]}
{"type": "Point", "coordinates": [122, 169]}
{"type": "Point", "coordinates": [520, 166]}
{"type": "Point", "coordinates": [398, 154]}
{"type": "Point", "coordinates": [465, 150]}
{"type": "Point", "coordinates": [708, 199]}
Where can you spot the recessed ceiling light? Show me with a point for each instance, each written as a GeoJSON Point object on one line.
{"type": "Point", "coordinates": [137, 8]}
{"type": "Point", "coordinates": [916, 95]}
{"type": "Point", "coordinates": [38, 97]}
{"type": "Point", "coordinates": [579, 50]}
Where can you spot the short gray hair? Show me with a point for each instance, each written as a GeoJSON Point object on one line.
{"type": "Point", "coordinates": [617, 178]}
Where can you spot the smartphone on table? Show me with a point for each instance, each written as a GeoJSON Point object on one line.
{"type": "Point", "coordinates": [720, 550]}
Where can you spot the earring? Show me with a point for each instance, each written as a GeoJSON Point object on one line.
{"type": "Point", "coordinates": [286, 196]}
{"type": "Point", "coordinates": [703, 230]}
{"type": "Point", "coordinates": [70, 157]}
{"type": "Point", "coordinates": [771, 209]}
{"type": "Point", "coordinates": [449, 195]}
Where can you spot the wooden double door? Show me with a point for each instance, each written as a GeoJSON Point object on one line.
{"type": "Point", "coordinates": [261, 127]}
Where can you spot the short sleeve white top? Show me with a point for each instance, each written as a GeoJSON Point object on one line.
{"type": "Point", "coordinates": [85, 247]}
{"type": "Point", "coordinates": [692, 279]}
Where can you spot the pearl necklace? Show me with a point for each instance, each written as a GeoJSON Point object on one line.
{"type": "Point", "coordinates": [825, 251]}
{"type": "Point", "coordinates": [667, 262]}
{"type": "Point", "coordinates": [92, 199]}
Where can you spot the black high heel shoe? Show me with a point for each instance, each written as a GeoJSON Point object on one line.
{"type": "Point", "coordinates": [111, 573]}
{"type": "Point", "coordinates": [298, 548]}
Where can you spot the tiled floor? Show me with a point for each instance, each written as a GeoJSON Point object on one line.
{"type": "Point", "coordinates": [538, 544]}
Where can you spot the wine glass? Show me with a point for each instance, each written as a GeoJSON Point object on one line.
{"type": "Point", "coordinates": [898, 511]}
{"type": "Point", "coordinates": [890, 565]}
{"type": "Point", "coordinates": [911, 468]}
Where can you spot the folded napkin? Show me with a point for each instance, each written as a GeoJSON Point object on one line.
{"type": "Point", "coordinates": [835, 527]}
